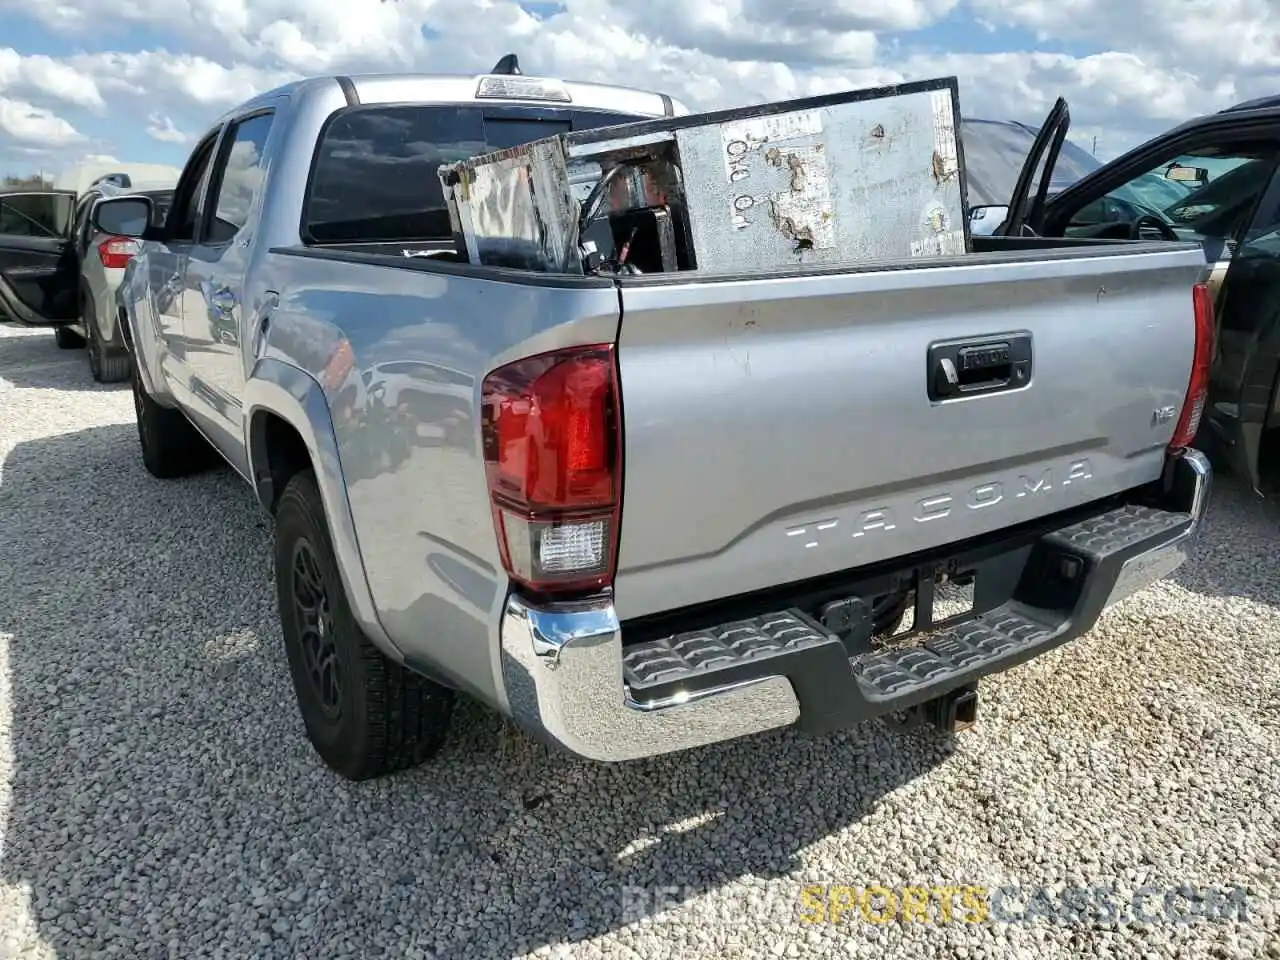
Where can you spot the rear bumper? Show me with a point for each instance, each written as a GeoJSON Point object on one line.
{"type": "Point", "coordinates": [569, 678]}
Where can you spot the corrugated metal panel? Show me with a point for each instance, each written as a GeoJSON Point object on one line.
{"type": "Point", "coordinates": [867, 175]}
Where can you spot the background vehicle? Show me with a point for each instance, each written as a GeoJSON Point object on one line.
{"type": "Point", "coordinates": [63, 273]}
{"type": "Point", "coordinates": [81, 177]}
{"type": "Point", "coordinates": [994, 154]}
{"type": "Point", "coordinates": [648, 512]}
{"type": "Point", "coordinates": [103, 259]}
{"type": "Point", "coordinates": [1214, 180]}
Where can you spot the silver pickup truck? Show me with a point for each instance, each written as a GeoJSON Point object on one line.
{"type": "Point", "coordinates": [639, 514]}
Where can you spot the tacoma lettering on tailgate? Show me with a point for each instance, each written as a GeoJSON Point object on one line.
{"type": "Point", "coordinates": [937, 506]}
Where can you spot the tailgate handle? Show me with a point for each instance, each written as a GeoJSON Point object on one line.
{"type": "Point", "coordinates": [979, 365]}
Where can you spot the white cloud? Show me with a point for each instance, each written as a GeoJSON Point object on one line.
{"type": "Point", "coordinates": [187, 79]}
{"type": "Point", "coordinates": [1205, 35]}
{"type": "Point", "coordinates": [160, 127]}
{"type": "Point", "coordinates": [35, 126]}
{"type": "Point", "coordinates": [1156, 62]}
{"type": "Point", "coordinates": [44, 75]}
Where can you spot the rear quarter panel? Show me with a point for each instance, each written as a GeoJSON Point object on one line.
{"type": "Point", "coordinates": [400, 355]}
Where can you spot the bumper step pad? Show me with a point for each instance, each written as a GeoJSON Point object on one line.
{"type": "Point", "coordinates": [659, 668]}
{"type": "Point", "coordinates": [1001, 634]}
{"type": "Point", "coordinates": [955, 650]}
{"type": "Point", "coordinates": [834, 690]}
{"type": "Point", "coordinates": [1116, 531]}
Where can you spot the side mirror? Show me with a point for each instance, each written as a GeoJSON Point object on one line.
{"type": "Point", "coordinates": [985, 220]}
{"type": "Point", "coordinates": [123, 216]}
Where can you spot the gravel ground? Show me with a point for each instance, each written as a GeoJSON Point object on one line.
{"type": "Point", "coordinates": [158, 798]}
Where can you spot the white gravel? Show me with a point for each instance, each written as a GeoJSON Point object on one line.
{"type": "Point", "coordinates": [158, 798]}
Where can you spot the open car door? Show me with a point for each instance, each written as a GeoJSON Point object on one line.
{"type": "Point", "coordinates": [1030, 193]}
{"type": "Point", "coordinates": [1216, 182]}
{"type": "Point", "coordinates": [39, 268]}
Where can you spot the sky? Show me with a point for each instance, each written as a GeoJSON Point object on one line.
{"type": "Point", "coordinates": [139, 80]}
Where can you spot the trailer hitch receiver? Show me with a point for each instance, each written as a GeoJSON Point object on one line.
{"type": "Point", "coordinates": [953, 712]}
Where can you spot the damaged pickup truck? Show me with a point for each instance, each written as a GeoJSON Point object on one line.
{"type": "Point", "coordinates": [640, 507]}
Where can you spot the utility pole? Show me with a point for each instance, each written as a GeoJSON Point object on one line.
{"type": "Point", "coordinates": [1095, 144]}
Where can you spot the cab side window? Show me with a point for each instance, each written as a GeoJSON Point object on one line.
{"type": "Point", "coordinates": [238, 177]}
{"type": "Point", "coordinates": [181, 224]}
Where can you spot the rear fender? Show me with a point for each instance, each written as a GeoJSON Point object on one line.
{"type": "Point", "coordinates": [143, 340]}
{"type": "Point", "coordinates": [278, 388]}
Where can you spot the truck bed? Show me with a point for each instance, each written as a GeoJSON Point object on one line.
{"type": "Point", "coordinates": [778, 427]}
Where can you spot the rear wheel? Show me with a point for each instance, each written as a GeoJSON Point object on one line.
{"type": "Point", "coordinates": [105, 367]}
{"type": "Point", "coordinates": [171, 446]}
{"type": "Point", "coordinates": [364, 714]}
{"type": "Point", "coordinates": [66, 338]}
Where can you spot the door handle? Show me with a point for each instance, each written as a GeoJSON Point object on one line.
{"type": "Point", "coordinates": [978, 365]}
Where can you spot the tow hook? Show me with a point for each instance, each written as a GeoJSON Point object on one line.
{"type": "Point", "coordinates": [953, 712]}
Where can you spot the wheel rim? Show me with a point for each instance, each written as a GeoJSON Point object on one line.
{"type": "Point", "coordinates": [314, 615]}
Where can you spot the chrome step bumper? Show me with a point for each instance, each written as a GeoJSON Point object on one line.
{"type": "Point", "coordinates": [570, 679]}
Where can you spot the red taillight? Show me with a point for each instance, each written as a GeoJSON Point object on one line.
{"type": "Point", "coordinates": [552, 450]}
{"type": "Point", "coordinates": [1201, 362]}
{"type": "Point", "coordinates": [116, 252]}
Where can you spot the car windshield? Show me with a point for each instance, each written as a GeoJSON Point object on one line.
{"type": "Point", "coordinates": [994, 152]}
{"type": "Point", "coordinates": [1206, 197]}
{"type": "Point", "coordinates": [1224, 184]}
{"type": "Point", "coordinates": [1199, 195]}
{"type": "Point", "coordinates": [1153, 191]}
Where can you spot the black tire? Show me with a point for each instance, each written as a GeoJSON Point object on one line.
{"type": "Point", "coordinates": [365, 715]}
{"type": "Point", "coordinates": [104, 367]}
{"type": "Point", "coordinates": [67, 339]}
{"type": "Point", "coordinates": [171, 446]}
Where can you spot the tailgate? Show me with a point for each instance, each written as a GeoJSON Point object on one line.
{"type": "Point", "coordinates": [778, 429]}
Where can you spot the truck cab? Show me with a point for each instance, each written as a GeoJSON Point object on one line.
{"type": "Point", "coordinates": [370, 185]}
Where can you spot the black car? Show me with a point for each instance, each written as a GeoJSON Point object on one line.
{"type": "Point", "coordinates": [1214, 180]}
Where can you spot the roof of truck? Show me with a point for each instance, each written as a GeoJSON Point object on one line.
{"type": "Point", "coordinates": [465, 88]}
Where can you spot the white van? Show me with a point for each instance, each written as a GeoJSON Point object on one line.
{"type": "Point", "coordinates": [82, 176]}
